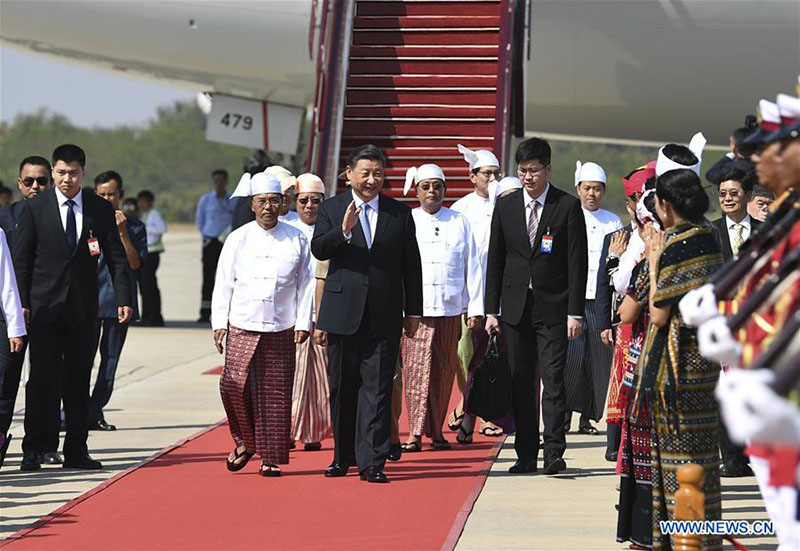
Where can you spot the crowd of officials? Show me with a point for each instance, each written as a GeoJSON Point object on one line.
{"type": "Point", "coordinates": [332, 316]}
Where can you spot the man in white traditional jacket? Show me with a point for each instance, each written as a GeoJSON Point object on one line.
{"type": "Point", "coordinates": [260, 309]}
{"type": "Point", "coordinates": [452, 286]}
{"type": "Point", "coordinates": [311, 410]}
{"type": "Point", "coordinates": [588, 359]}
{"type": "Point", "coordinates": [477, 207]}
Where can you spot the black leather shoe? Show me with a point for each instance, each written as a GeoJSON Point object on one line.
{"type": "Point", "coordinates": [336, 469]}
{"type": "Point", "coordinates": [84, 462]}
{"type": "Point", "coordinates": [553, 465]}
{"type": "Point", "coordinates": [50, 458]}
{"type": "Point", "coordinates": [395, 452]}
{"type": "Point", "coordinates": [375, 475]}
{"type": "Point", "coordinates": [30, 462]}
{"type": "Point", "coordinates": [735, 471]}
{"type": "Point", "coordinates": [102, 425]}
{"type": "Point", "coordinates": [523, 466]}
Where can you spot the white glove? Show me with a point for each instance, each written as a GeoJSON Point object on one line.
{"type": "Point", "coordinates": [753, 412]}
{"type": "Point", "coordinates": [699, 305]}
{"type": "Point", "coordinates": [716, 342]}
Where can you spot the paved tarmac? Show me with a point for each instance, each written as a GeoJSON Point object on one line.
{"type": "Point", "coordinates": [161, 397]}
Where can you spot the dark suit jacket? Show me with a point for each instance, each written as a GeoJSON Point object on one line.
{"type": "Point", "coordinates": [605, 291]}
{"type": "Point", "coordinates": [242, 213]}
{"type": "Point", "coordinates": [388, 277]}
{"type": "Point", "coordinates": [719, 169]}
{"type": "Point", "coordinates": [725, 239]}
{"type": "Point", "coordinates": [9, 220]}
{"type": "Point", "coordinates": [47, 271]}
{"type": "Point", "coordinates": [559, 277]}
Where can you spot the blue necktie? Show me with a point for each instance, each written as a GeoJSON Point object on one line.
{"type": "Point", "coordinates": [365, 225]}
{"type": "Point", "coordinates": [72, 227]}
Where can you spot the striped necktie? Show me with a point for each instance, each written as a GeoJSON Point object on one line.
{"type": "Point", "coordinates": [738, 238]}
{"type": "Point", "coordinates": [533, 222]}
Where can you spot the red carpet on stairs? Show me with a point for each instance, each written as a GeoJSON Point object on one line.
{"type": "Point", "coordinates": [185, 499]}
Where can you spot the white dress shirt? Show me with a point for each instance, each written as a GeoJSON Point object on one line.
{"type": "Point", "coordinates": [156, 227]}
{"type": "Point", "coordinates": [478, 211]}
{"type": "Point", "coordinates": [452, 277]}
{"type": "Point", "coordinates": [627, 262]}
{"type": "Point", "coordinates": [731, 225]}
{"type": "Point", "coordinates": [9, 293]}
{"type": "Point", "coordinates": [63, 209]}
{"type": "Point", "coordinates": [264, 281]}
{"type": "Point", "coordinates": [599, 223]}
{"type": "Point", "coordinates": [371, 214]}
{"type": "Point", "coordinates": [308, 232]}
{"type": "Point", "coordinates": [290, 216]}
{"type": "Point", "coordinates": [528, 200]}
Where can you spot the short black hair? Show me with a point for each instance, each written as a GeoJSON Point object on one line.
{"type": "Point", "coordinates": [129, 201]}
{"type": "Point", "coordinates": [35, 160]}
{"type": "Point", "coordinates": [369, 152]}
{"type": "Point", "coordinates": [69, 153]}
{"type": "Point", "coordinates": [4, 189]}
{"type": "Point", "coordinates": [147, 195]}
{"type": "Point", "coordinates": [220, 171]}
{"type": "Point", "coordinates": [744, 132]}
{"type": "Point", "coordinates": [745, 179]}
{"type": "Point", "coordinates": [683, 190]}
{"type": "Point", "coordinates": [107, 176]}
{"type": "Point", "coordinates": [761, 191]}
{"type": "Point", "coordinates": [533, 149]}
{"type": "Point", "coordinates": [680, 154]}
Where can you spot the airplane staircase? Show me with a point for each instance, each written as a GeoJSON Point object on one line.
{"type": "Point", "coordinates": [416, 78]}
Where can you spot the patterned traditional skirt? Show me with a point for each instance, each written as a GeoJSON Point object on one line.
{"type": "Point", "coordinates": [615, 409]}
{"type": "Point", "coordinates": [635, 496]}
{"type": "Point", "coordinates": [430, 360]}
{"type": "Point", "coordinates": [256, 389]}
{"type": "Point", "coordinates": [311, 410]}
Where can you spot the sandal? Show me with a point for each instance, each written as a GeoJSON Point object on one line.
{"type": "Point", "coordinates": [440, 444]}
{"type": "Point", "coordinates": [491, 431]}
{"type": "Point", "coordinates": [588, 429]}
{"type": "Point", "coordinates": [464, 436]}
{"type": "Point", "coordinates": [269, 470]}
{"type": "Point", "coordinates": [454, 423]}
{"type": "Point", "coordinates": [412, 446]}
{"type": "Point", "coordinates": [236, 465]}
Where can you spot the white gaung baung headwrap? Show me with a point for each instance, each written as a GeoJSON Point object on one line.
{"type": "Point", "coordinates": [415, 175]}
{"type": "Point", "coordinates": [589, 172]}
{"type": "Point", "coordinates": [309, 183]}
{"type": "Point", "coordinates": [498, 188]}
{"type": "Point", "coordinates": [283, 175]}
{"type": "Point", "coordinates": [478, 158]}
{"type": "Point", "coordinates": [643, 213]}
{"type": "Point", "coordinates": [255, 185]}
{"type": "Point", "coordinates": [665, 164]}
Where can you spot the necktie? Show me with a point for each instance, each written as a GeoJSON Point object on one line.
{"type": "Point", "coordinates": [72, 227]}
{"type": "Point", "coordinates": [533, 222]}
{"type": "Point", "coordinates": [365, 225]}
{"type": "Point", "coordinates": [738, 238]}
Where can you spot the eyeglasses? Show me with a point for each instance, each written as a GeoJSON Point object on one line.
{"type": "Point", "coordinates": [435, 186]}
{"type": "Point", "coordinates": [313, 200]}
{"type": "Point", "coordinates": [274, 201]}
{"type": "Point", "coordinates": [41, 180]}
{"type": "Point", "coordinates": [489, 173]}
{"type": "Point", "coordinates": [733, 194]}
{"type": "Point", "coordinates": [529, 171]}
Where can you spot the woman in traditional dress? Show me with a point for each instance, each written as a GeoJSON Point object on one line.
{"type": "Point", "coordinates": [678, 382]}
{"type": "Point", "coordinates": [311, 411]}
{"type": "Point", "coordinates": [261, 308]}
{"type": "Point", "coordinates": [635, 497]}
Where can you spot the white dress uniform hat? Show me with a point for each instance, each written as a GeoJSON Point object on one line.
{"type": "Point", "coordinates": [415, 175]}
{"type": "Point", "coordinates": [496, 189]}
{"type": "Point", "coordinates": [589, 172]}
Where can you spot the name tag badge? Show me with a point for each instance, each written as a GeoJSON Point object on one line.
{"type": "Point", "coordinates": [547, 243]}
{"type": "Point", "coordinates": [94, 246]}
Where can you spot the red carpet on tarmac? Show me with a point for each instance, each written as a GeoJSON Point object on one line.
{"type": "Point", "coordinates": [186, 499]}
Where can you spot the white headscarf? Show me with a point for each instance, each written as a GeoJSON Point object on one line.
{"type": "Point", "coordinates": [665, 164]}
{"type": "Point", "coordinates": [283, 175]}
{"type": "Point", "coordinates": [309, 183]}
{"type": "Point", "coordinates": [478, 158]}
{"type": "Point", "coordinates": [254, 185]}
{"type": "Point", "coordinates": [415, 175]}
{"type": "Point", "coordinates": [589, 172]}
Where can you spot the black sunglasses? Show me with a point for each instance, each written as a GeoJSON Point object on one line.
{"type": "Point", "coordinates": [41, 180]}
{"type": "Point", "coordinates": [314, 200]}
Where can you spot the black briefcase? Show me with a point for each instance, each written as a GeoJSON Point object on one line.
{"type": "Point", "coordinates": [490, 392]}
